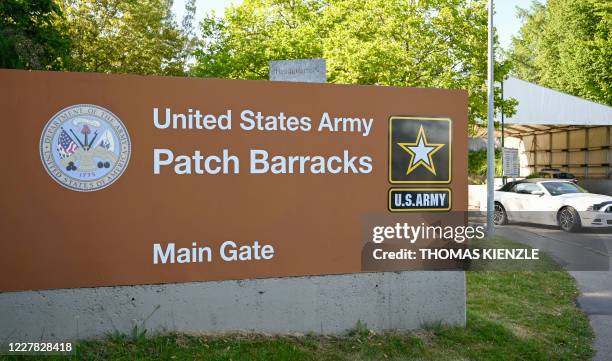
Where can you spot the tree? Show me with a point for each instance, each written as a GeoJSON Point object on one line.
{"type": "Point", "coordinates": [125, 36]}
{"type": "Point", "coordinates": [29, 37]}
{"type": "Point", "coordinates": [567, 45]}
{"type": "Point", "coordinates": [433, 43]}
{"type": "Point", "coordinates": [240, 44]}
{"type": "Point", "coordinates": [522, 52]}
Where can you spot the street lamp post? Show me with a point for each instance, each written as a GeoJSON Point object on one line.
{"type": "Point", "coordinates": [490, 127]}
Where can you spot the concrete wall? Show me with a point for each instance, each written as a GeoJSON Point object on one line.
{"type": "Point", "coordinates": [322, 304]}
{"type": "Point", "coordinates": [477, 195]}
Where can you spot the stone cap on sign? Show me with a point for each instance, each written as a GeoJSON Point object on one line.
{"type": "Point", "coordinates": [299, 70]}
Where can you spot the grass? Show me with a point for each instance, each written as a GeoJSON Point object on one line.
{"type": "Point", "coordinates": [511, 316]}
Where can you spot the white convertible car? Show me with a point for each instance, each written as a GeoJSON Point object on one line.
{"type": "Point", "coordinates": [552, 202]}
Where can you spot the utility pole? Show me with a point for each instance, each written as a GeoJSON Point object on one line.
{"type": "Point", "coordinates": [504, 176]}
{"type": "Point", "coordinates": [490, 127]}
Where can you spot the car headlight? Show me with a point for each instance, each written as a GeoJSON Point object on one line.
{"type": "Point", "coordinates": [599, 208]}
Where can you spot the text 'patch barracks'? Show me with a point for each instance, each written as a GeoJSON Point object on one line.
{"type": "Point", "coordinates": [419, 150]}
{"type": "Point", "coordinates": [419, 199]}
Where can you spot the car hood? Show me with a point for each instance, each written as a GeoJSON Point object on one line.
{"type": "Point", "coordinates": [581, 201]}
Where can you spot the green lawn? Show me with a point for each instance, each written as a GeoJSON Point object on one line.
{"type": "Point", "coordinates": [511, 316]}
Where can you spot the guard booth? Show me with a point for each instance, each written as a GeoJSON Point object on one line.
{"type": "Point", "coordinates": [558, 131]}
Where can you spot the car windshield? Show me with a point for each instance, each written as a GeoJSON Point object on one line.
{"type": "Point", "coordinates": [559, 188]}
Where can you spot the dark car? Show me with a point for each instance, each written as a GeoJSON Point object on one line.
{"type": "Point", "coordinates": [554, 173]}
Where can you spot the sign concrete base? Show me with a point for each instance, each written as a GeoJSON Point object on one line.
{"type": "Point", "coordinates": [320, 304]}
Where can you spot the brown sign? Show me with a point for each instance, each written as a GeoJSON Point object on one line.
{"type": "Point", "coordinates": [121, 180]}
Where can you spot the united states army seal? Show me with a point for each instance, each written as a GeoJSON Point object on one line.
{"type": "Point", "coordinates": [85, 147]}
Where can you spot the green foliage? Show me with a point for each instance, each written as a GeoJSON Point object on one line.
{"type": "Point", "coordinates": [360, 330]}
{"type": "Point", "coordinates": [435, 43]}
{"type": "Point", "coordinates": [240, 45]}
{"type": "Point", "coordinates": [567, 45]}
{"type": "Point", "coordinates": [477, 163]}
{"type": "Point", "coordinates": [29, 37]}
{"type": "Point", "coordinates": [125, 36]}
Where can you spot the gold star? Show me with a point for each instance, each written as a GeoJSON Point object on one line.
{"type": "Point", "coordinates": [421, 152]}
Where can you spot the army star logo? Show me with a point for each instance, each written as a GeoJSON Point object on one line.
{"type": "Point", "coordinates": [421, 152]}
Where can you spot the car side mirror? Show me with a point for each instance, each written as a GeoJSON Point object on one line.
{"type": "Point", "coordinates": [538, 193]}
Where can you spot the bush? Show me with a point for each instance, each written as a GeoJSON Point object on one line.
{"type": "Point", "coordinates": [477, 163]}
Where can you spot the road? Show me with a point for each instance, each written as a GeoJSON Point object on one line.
{"type": "Point", "coordinates": [587, 255]}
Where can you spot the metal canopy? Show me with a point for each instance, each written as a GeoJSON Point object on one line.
{"type": "Point", "coordinates": [522, 130]}
{"type": "Point", "coordinates": [540, 105]}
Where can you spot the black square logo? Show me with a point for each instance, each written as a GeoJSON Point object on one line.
{"type": "Point", "coordinates": [420, 150]}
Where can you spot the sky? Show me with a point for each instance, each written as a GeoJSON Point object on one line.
{"type": "Point", "coordinates": [505, 20]}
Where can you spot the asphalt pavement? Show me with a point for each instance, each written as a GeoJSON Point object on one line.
{"type": "Point", "coordinates": [587, 255]}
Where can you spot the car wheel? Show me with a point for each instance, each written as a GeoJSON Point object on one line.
{"type": "Point", "coordinates": [499, 215]}
{"type": "Point", "coordinates": [569, 219]}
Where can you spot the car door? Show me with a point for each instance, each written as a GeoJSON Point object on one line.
{"type": "Point", "coordinates": [534, 202]}
{"type": "Point", "coordinates": [513, 203]}
{"type": "Point", "coordinates": [524, 202]}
